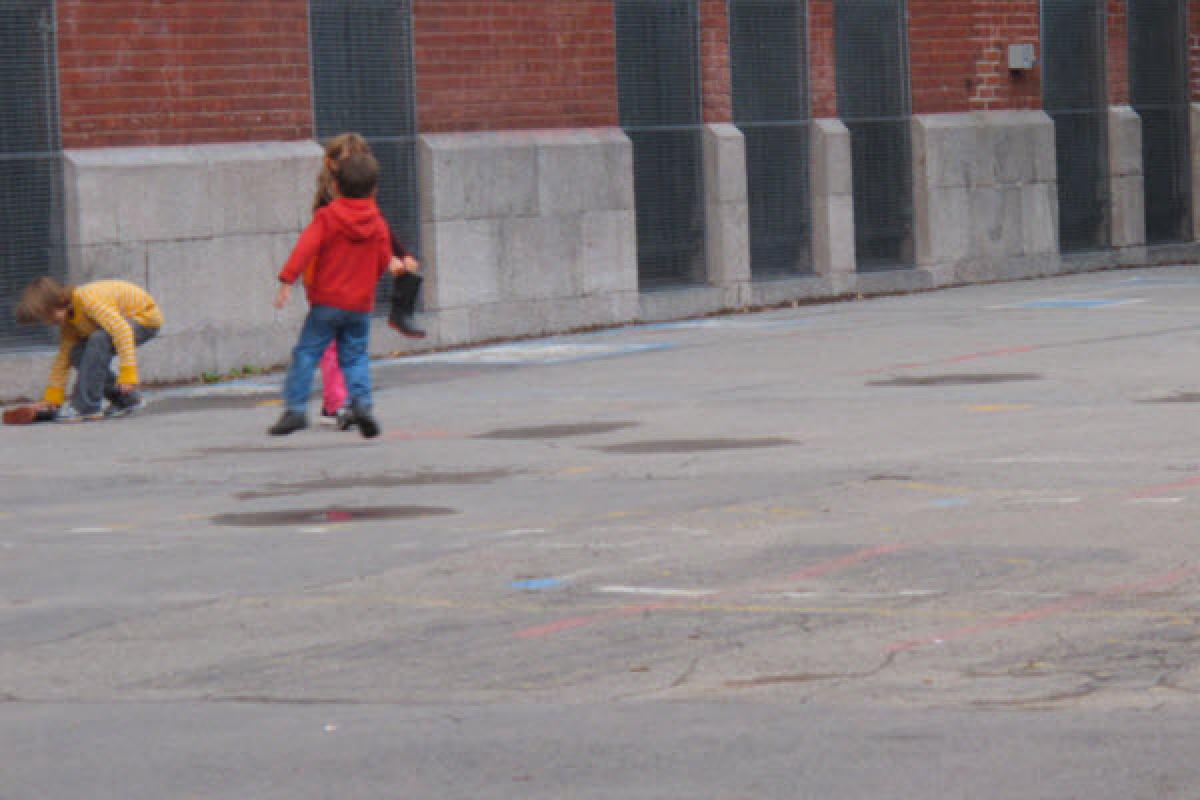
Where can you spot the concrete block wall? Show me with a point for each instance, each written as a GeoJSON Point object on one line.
{"type": "Point", "coordinates": [985, 190]}
{"type": "Point", "coordinates": [534, 232]}
{"type": "Point", "coordinates": [205, 229]}
{"type": "Point", "coordinates": [1125, 178]}
{"type": "Point", "coordinates": [527, 232]}
{"type": "Point", "coordinates": [831, 166]}
{"type": "Point", "coordinates": [1195, 132]}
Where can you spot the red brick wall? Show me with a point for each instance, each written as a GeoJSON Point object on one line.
{"type": "Point", "coordinates": [942, 55]}
{"type": "Point", "coordinates": [822, 66]}
{"type": "Point", "coordinates": [959, 55]}
{"type": "Point", "coordinates": [1118, 53]}
{"type": "Point", "coordinates": [144, 72]}
{"type": "Point", "coordinates": [1194, 45]}
{"type": "Point", "coordinates": [996, 26]}
{"type": "Point", "coordinates": [514, 64]}
{"type": "Point", "coordinates": [714, 61]}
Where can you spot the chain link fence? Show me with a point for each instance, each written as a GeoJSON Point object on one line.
{"type": "Point", "coordinates": [1074, 93]}
{"type": "Point", "coordinates": [362, 64]}
{"type": "Point", "coordinates": [658, 87]}
{"type": "Point", "coordinates": [871, 42]}
{"type": "Point", "coordinates": [769, 65]}
{"type": "Point", "coordinates": [32, 240]}
{"type": "Point", "coordinates": [1158, 73]}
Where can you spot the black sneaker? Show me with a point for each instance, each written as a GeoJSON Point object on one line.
{"type": "Point", "coordinates": [289, 422]}
{"type": "Point", "coordinates": [368, 426]}
{"type": "Point", "coordinates": [122, 404]}
{"type": "Point", "coordinates": [345, 419]}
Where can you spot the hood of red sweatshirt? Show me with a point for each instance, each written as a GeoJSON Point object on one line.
{"type": "Point", "coordinates": [358, 218]}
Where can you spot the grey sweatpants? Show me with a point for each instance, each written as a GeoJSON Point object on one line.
{"type": "Point", "coordinates": [92, 359]}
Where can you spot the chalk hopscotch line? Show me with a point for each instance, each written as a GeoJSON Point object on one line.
{"type": "Point", "coordinates": [1054, 303]}
{"type": "Point", "coordinates": [1078, 602]}
{"type": "Point", "coordinates": [535, 353]}
{"type": "Point", "coordinates": [959, 359]}
{"type": "Point", "coordinates": [816, 570]}
{"type": "Point", "coordinates": [654, 591]}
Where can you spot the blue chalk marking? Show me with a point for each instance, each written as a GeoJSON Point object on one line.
{"type": "Point", "coordinates": [535, 353]}
{"type": "Point", "coordinates": [537, 583]}
{"type": "Point", "coordinates": [951, 502]}
{"type": "Point", "coordinates": [1143, 281]}
{"type": "Point", "coordinates": [1033, 304]}
{"type": "Point", "coordinates": [724, 322]}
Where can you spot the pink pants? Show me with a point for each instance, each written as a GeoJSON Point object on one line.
{"type": "Point", "coordinates": [333, 385]}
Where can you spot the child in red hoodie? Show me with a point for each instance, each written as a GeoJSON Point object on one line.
{"type": "Point", "coordinates": [351, 244]}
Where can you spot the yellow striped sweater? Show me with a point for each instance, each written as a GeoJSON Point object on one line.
{"type": "Point", "coordinates": [108, 305]}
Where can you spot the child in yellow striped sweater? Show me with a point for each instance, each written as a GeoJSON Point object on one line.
{"type": "Point", "coordinates": [96, 321]}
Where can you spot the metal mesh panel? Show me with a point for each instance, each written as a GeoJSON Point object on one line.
{"type": "Point", "coordinates": [363, 82]}
{"type": "Point", "coordinates": [768, 49]}
{"type": "Point", "coordinates": [1074, 95]}
{"type": "Point", "coordinates": [31, 209]}
{"type": "Point", "coordinates": [873, 101]}
{"type": "Point", "coordinates": [1159, 86]}
{"type": "Point", "coordinates": [658, 83]}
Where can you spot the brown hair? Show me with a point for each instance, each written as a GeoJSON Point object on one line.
{"type": "Point", "coordinates": [336, 149]}
{"type": "Point", "coordinates": [357, 175]}
{"type": "Point", "coordinates": [41, 299]}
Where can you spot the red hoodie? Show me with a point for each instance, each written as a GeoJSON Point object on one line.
{"type": "Point", "coordinates": [351, 245]}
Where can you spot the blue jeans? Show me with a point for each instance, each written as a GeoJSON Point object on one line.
{"type": "Point", "coordinates": [92, 359]}
{"type": "Point", "coordinates": [324, 324]}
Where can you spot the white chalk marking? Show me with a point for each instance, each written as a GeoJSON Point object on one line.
{"type": "Point", "coordinates": [862, 595]}
{"type": "Point", "coordinates": [524, 531]}
{"type": "Point", "coordinates": [1046, 501]}
{"type": "Point", "coordinates": [90, 530]}
{"type": "Point", "coordinates": [1157, 500]}
{"type": "Point", "coordinates": [654, 591]}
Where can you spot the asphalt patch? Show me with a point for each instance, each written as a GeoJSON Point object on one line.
{"type": "Point", "coordinates": [681, 446]}
{"type": "Point", "coordinates": [562, 431]}
{"type": "Point", "coordinates": [326, 516]}
{"type": "Point", "coordinates": [977, 379]}
{"type": "Point", "coordinates": [1178, 397]}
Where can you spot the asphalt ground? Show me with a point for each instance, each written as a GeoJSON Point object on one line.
{"type": "Point", "coordinates": [928, 546]}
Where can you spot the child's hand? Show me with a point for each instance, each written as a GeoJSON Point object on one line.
{"type": "Point", "coordinates": [281, 297]}
{"type": "Point", "coordinates": [399, 266]}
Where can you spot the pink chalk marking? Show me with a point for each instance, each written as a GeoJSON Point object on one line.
{"type": "Point", "coordinates": [558, 626]}
{"type": "Point", "coordinates": [1004, 351]}
{"type": "Point", "coordinates": [409, 435]}
{"type": "Point", "coordinates": [1051, 609]}
{"type": "Point", "coordinates": [1167, 488]}
{"type": "Point", "coordinates": [816, 570]}
{"type": "Point", "coordinates": [836, 564]}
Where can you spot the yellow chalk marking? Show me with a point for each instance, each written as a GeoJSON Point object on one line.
{"type": "Point", "coordinates": [783, 511]}
{"type": "Point", "coordinates": [936, 487]}
{"type": "Point", "coordinates": [882, 612]}
{"type": "Point", "coordinates": [998, 408]}
{"type": "Point", "coordinates": [270, 403]}
{"type": "Point", "coordinates": [779, 511]}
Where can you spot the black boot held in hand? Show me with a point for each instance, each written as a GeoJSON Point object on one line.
{"type": "Point", "coordinates": [404, 305]}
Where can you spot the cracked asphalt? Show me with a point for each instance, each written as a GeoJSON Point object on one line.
{"type": "Point", "coordinates": [937, 545]}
